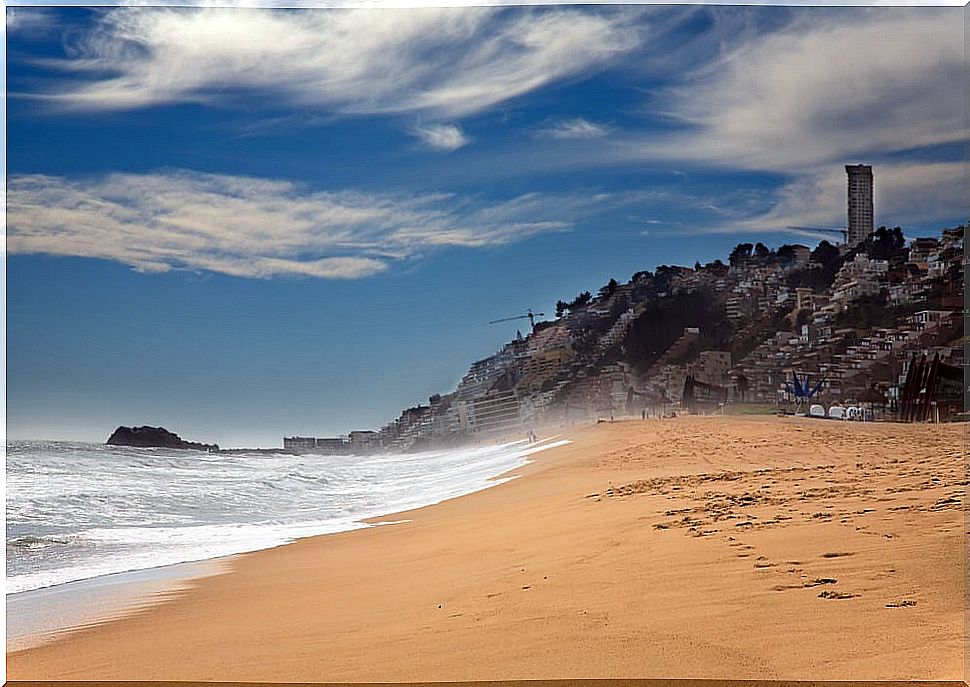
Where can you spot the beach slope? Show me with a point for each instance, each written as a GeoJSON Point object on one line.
{"type": "Point", "coordinates": [762, 548]}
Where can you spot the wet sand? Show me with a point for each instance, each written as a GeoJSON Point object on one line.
{"type": "Point", "coordinates": [762, 548]}
{"type": "Point", "coordinates": [42, 615]}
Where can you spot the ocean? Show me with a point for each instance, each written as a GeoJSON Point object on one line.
{"type": "Point", "coordinates": [80, 511]}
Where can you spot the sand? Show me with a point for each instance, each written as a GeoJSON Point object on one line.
{"type": "Point", "coordinates": [763, 548]}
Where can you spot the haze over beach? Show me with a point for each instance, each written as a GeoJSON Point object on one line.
{"type": "Point", "coordinates": [485, 343]}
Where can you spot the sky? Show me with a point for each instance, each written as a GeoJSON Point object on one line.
{"type": "Point", "coordinates": [245, 223]}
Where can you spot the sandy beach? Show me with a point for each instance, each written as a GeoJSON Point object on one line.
{"type": "Point", "coordinates": [743, 548]}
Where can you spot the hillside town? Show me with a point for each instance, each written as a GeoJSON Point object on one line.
{"type": "Point", "coordinates": [874, 321]}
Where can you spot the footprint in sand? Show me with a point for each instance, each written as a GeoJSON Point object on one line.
{"type": "Point", "coordinates": [821, 580]}
{"type": "Point", "coordinates": [805, 585]}
{"type": "Point", "coordinates": [902, 603]}
{"type": "Point", "coordinates": [836, 595]}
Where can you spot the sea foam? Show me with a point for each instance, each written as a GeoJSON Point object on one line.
{"type": "Point", "coordinates": [78, 511]}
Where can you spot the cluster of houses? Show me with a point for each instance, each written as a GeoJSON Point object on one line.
{"type": "Point", "coordinates": [578, 367]}
{"type": "Point", "coordinates": [850, 358]}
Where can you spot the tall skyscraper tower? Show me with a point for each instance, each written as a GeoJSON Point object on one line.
{"type": "Point", "coordinates": [860, 203]}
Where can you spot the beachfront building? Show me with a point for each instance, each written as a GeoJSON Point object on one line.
{"type": "Point", "coordinates": [860, 205]}
{"type": "Point", "coordinates": [495, 413]}
{"type": "Point", "coordinates": [299, 444]}
{"type": "Point", "coordinates": [500, 370]}
{"type": "Point", "coordinates": [329, 445]}
{"type": "Point", "coordinates": [547, 352]}
{"type": "Point", "coordinates": [921, 248]}
{"type": "Point", "coordinates": [364, 441]}
{"type": "Point", "coordinates": [803, 298]}
{"type": "Point", "coordinates": [858, 278]}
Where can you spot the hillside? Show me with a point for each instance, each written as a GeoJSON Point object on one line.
{"type": "Point", "coordinates": [848, 316]}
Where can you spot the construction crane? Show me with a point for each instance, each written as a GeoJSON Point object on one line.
{"type": "Point", "coordinates": [843, 231]}
{"type": "Point", "coordinates": [528, 314]}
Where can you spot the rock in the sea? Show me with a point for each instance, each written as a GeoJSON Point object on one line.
{"type": "Point", "coordinates": [154, 437]}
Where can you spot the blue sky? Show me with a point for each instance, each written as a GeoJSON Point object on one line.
{"type": "Point", "coordinates": [244, 223]}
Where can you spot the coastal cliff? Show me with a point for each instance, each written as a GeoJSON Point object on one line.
{"type": "Point", "coordinates": [154, 437]}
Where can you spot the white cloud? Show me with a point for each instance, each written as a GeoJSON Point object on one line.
{"type": "Point", "coordinates": [23, 19]}
{"type": "Point", "coordinates": [829, 88]}
{"type": "Point", "coordinates": [447, 137]}
{"type": "Point", "coordinates": [575, 128]}
{"type": "Point", "coordinates": [826, 88]}
{"type": "Point", "coordinates": [251, 227]}
{"type": "Point", "coordinates": [260, 228]}
{"type": "Point", "coordinates": [448, 62]}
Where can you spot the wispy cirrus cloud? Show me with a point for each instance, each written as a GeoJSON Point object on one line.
{"type": "Point", "coordinates": [251, 227]}
{"type": "Point", "coordinates": [575, 128]}
{"type": "Point", "coordinates": [804, 96]}
{"type": "Point", "coordinates": [446, 137]}
{"type": "Point", "coordinates": [447, 62]}
{"type": "Point", "coordinates": [27, 19]}
{"type": "Point", "coordinates": [261, 228]}
{"type": "Point", "coordinates": [822, 88]}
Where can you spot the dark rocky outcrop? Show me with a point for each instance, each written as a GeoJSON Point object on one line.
{"type": "Point", "coordinates": [154, 437]}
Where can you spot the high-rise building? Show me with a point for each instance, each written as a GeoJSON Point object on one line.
{"type": "Point", "coordinates": [860, 218]}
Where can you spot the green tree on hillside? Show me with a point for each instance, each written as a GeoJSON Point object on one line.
{"type": "Point", "coordinates": [761, 253]}
{"type": "Point", "coordinates": [740, 255]}
{"type": "Point", "coordinates": [825, 253]}
{"type": "Point", "coordinates": [581, 300]}
{"type": "Point", "coordinates": [717, 267]}
{"type": "Point", "coordinates": [609, 289]}
{"type": "Point", "coordinates": [885, 244]}
{"type": "Point", "coordinates": [786, 254]}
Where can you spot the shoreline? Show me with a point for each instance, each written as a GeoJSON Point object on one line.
{"type": "Point", "coordinates": [576, 570]}
{"type": "Point", "coordinates": [39, 616]}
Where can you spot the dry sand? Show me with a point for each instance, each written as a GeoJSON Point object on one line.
{"type": "Point", "coordinates": [762, 548]}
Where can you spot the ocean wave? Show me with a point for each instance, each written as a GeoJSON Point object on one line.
{"type": "Point", "coordinates": [29, 541]}
{"type": "Point", "coordinates": [115, 510]}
